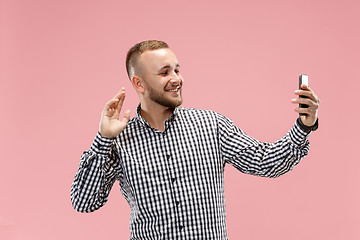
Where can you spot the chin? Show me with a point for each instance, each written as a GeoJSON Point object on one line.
{"type": "Point", "coordinates": [174, 104]}
{"type": "Point", "coordinates": [166, 101]}
{"type": "Point", "coordinates": [171, 103]}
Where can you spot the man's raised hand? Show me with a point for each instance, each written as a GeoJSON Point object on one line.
{"type": "Point", "coordinates": [110, 125]}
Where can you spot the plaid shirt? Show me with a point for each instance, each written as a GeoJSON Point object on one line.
{"type": "Point", "coordinates": [174, 180]}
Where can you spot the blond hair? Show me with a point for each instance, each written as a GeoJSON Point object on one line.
{"type": "Point", "coordinates": [134, 53]}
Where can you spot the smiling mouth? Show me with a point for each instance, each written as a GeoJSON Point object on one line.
{"type": "Point", "coordinates": [174, 90]}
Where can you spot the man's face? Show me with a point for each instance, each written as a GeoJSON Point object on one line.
{"type": "Point", "coordinates": [161, 74]}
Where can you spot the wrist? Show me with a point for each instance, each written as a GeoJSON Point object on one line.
{"type": "Point", "coordinates": [308, 128]}
{"type": "Point", "coordinates": [101, 145]}
{"type": "Point", "coordinates": [104, 135]}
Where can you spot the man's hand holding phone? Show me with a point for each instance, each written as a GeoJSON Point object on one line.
{"type": "Point", "coordinates": [308, 113]}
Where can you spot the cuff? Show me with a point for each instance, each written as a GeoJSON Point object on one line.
{"type": "Point", "coordinates": [298, 135]}
{"type": "Point", "coordinates": [307, 128]}
{"type": "Point", "coordinates": [101, 145]}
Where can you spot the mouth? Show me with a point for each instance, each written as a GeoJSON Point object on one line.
{"type": "Point", "coordinates": [174, 89]}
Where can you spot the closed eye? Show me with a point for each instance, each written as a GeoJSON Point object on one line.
{"type": "Point", "coordinates": [177, 71]}
{"type": "Point", "coordinates": [166, 70]}
{"type": "Point", "coordinates": [164, 73]}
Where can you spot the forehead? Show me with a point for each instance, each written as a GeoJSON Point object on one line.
{"type": "Point", "coordinates": [156, 59]}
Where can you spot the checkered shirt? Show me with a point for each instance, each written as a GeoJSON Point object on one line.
{"type": "Point", "coordinates": [174, 180]}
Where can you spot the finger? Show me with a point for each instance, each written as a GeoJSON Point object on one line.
{"type": "Point", "coordinates": [120, 104]}
{"type": "Point", "coordinates": [309, 111]}
{"type": "Point", "coordinates": [111, 103]}
{"type": "Point", "coordinates": [109, 108]}
{"type": "Point", "coordinates": [312, 97]}
{"type": "Point", "coordinates": [115, 99]}
{"type": "Point", "coordinates": [302, 110]}
{"type": "Point", "coordinates": [305, 101]}
{"type": "Point", "coordinates": [317, 100]}
{"type": "Point", "coordinates": [117, 96]}
{"type": "Point", "coordinates": [126, 117]}
{"type": "Point", "coordinates": [307, 93]}
{"type": "Point", "coordinates": [305, 87]}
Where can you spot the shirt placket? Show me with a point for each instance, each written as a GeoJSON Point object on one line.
{"type": "Point", "coordinates": [174, 181]}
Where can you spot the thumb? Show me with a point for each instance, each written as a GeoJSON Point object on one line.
{"type": "Point", "coordinates": [304, 86]}
{"type": "Point", "coordinates": [126, 117]}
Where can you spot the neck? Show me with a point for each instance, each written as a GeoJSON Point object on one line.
{"type": "Point", "coordinates": [155, 114]}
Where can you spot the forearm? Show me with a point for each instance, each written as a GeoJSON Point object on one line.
{"type": "Point", "coordinates": [270, 159]}
{"type": "Point", "coordinates": [95, 176]}
{"type": "Point", "coordinates": [284, 154]}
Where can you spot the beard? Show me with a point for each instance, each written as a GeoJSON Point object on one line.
{"type": "Point", "coordinates": [162, 99]}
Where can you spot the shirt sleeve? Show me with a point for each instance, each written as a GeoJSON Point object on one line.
{"type": "Point", "coordinates": [98, 169]}
{"type": "Point", "coordinates": [251, 156]}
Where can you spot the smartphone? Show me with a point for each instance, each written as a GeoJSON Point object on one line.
{"type": "Point", "coordinates": [303, 79]}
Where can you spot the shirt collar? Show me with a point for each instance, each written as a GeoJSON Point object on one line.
{"type": "Point", "coordinates": [138, 116]}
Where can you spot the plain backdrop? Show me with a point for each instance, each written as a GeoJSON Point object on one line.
{"type": "Point", "coordinates": [61, 61]}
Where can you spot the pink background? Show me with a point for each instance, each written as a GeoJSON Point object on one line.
{"type": "Point", "coordinates": [62, 60]}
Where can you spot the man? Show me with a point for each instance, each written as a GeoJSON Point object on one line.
{"type": "Point", "coordinates": [170, 160]}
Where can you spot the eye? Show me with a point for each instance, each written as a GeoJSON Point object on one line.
{"type": "Point", "coordinates": [164, 73]}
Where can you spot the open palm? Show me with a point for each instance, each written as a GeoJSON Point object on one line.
{"type": "Point", "coordinates": [110, 125]}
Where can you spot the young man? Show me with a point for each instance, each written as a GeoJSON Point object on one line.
{"type": "Point", "coordinates": [170, 160]}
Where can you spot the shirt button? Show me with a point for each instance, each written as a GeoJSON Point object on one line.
{"type": "Point", "coordinates": [173, 180]}
{"type": "Point", "coordinates": [181, 227]}
{"type": "Point", "coordinates": [177, 203]}
{"type": "Point", "coordinates": [168, 157]}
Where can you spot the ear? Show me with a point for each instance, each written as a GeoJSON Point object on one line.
{"type": "Point", "coordinates": [138, 84]}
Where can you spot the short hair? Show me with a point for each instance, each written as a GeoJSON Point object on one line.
{"type": "Point", "coordinates": [134, 53]}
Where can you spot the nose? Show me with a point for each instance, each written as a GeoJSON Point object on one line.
{"type": "Point", "coordinates": [176, 79]}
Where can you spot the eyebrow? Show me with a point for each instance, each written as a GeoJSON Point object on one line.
{"type": "Point", "coordinates": [169, 66]}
